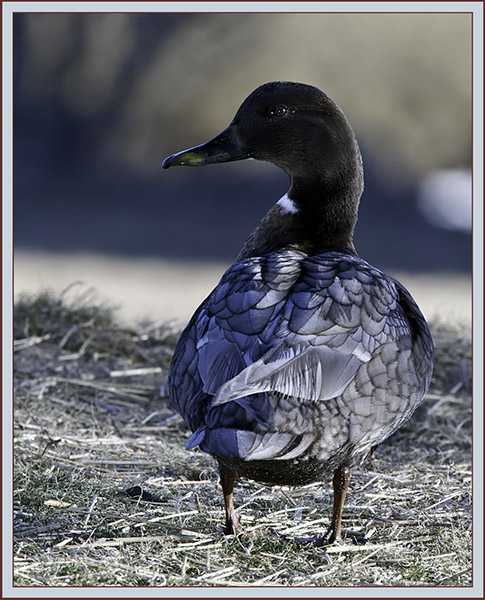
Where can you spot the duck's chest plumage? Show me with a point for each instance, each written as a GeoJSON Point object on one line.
{"type": "Point", "coordinates": [302, 359]}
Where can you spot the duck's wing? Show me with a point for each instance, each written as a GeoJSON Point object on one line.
{"type": "Point", "coordinates": [333, 318]}
{"type": "Point", "coordinates": [298, 326]}
{"type": "Point", "coordinates": [229, 331]}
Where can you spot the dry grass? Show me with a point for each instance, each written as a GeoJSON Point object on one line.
{"type": "Point", "coordinates": [90, 423]}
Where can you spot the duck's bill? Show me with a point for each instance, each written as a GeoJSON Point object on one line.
{"type": "Point", "coordinates": [225, 147]}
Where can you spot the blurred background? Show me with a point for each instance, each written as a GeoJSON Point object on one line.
{"type": "Point", "coordinates": [101, 99]}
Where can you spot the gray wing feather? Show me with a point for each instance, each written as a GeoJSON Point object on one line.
{"type": "Point", "coordinates": [307, 372]}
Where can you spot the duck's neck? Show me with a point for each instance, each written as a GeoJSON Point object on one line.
{"type": "Point", "coordinates": [327, 212]}
{"type": "Point", "coordinates": [314, 215]}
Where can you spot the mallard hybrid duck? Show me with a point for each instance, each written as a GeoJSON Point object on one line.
{"type": "Point", "coordinates": [304, 357]}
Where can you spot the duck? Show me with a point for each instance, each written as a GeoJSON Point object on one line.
{"type": "Point", "coordinates": [304, 357]}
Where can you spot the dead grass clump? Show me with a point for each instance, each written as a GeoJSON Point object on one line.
{"type": "Point", "coordinates": [92, 419]}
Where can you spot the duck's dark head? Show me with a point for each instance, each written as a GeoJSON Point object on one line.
{"type": "Point", "coordinates": [301, 130]}
{"type": "Point", "coordinates": [292, 125]}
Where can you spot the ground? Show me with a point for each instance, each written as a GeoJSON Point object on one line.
{"type": "Point", "coordinates": [92, 419]}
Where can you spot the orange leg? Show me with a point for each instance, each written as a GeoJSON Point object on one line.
{"type": "Point", "coordinates": [228, 478]}
{"type": "Point", "coordinates": [341, 480]}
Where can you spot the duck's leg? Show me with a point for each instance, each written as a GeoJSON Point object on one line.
{"type": "Point", "coordinates": [341, 480]}
{"type": "Point", "coordinates": [228, 478]}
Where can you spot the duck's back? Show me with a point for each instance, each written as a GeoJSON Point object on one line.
{"type": "Point", "coordinates": [306, 360]}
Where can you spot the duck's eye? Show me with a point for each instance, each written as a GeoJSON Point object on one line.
{"type": "Point", "coordinates": [279, 111]}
